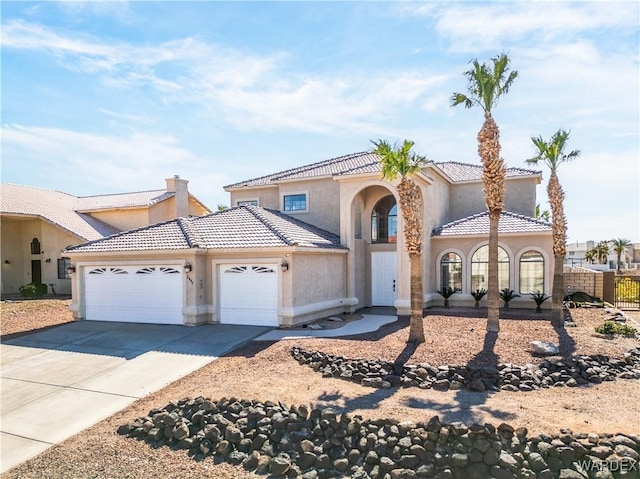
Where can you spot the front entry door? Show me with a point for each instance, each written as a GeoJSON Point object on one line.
{"type": "Point", "coordinates": [36, 271]}
{"type": "Point", "coordinates": [383, 278]}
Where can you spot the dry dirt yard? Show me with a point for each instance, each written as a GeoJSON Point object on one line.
{"type": "Point", "coordinates": [266, 371]}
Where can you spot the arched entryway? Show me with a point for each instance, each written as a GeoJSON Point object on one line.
{"type": "Point", "coordinates": [374, 246]}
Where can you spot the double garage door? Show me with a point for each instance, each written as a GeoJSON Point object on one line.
{"type": "Point", "coordinates": [137, 294]}
{"type": "Point", "coordinates": [248, 294]}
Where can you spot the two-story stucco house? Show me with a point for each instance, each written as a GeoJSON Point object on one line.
{"type": "Point", "coordinates": [37, 224]}
{"type": "Point", "coordinates": [313, 241]}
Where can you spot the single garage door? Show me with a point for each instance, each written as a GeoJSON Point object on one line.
{"type": "Point", "coordinates": [249, 294]}
{"type": "Point", "coordinates": [139, 294]}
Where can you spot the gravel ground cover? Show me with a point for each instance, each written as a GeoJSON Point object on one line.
{"type": "Point", "coordinates": [266, 371]}
{"type": "Point", "coordinates": [19, 316]}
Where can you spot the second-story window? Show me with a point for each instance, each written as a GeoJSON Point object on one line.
{"type": "Point", "coordinates": [35, 246]}
{"type": "Point", "coordinates": [384, 221]}
{"type": "Point", "coordinates": [295, 202]}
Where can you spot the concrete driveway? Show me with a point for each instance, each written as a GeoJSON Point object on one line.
{"type": "Point", "coordinates": [57, 382]}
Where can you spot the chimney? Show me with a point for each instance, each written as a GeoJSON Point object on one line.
{"type": "Point", "coordinates": [179, 187]}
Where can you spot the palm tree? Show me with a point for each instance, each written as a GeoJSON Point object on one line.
{"type": "Point", "coordinates": [619, 246]}
{"type": "Point", "coordinates": [400, 160]}
{"type": "Point", "coordinates": [487, 83]}
{"type": "Point", "coordinates": [591, 255]}
{"type": "Point", "coordinates": [602, 251]}
{"type": "Point", "coordinates": [552, 154]}
{"type": "Point", "coordinates": [543, 215]}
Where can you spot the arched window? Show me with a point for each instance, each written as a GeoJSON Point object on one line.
{"type": "Point", "coordinates": [480, 268]}
{"type": "Point", "coordinates": [451, 272]}
{"type": "Point", "coordinates": [35, 246]}
{"type": "Point", "coordinates": [531, 272]}
{"type": "Point", "coordinates": [384, 221]}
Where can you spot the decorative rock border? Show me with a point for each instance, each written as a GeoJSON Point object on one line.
{"type": "Point", "coordinates": [572, 372]}
{"type": "Point", "coordinates": [271, 438]}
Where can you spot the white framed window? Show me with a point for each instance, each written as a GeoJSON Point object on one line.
{"type": "Point", "coordinates": [480, 268]}
{"type": "Point", "coordinates": [247, 203]}
{"type": "Point", "coordinates": [295, 203]}
{"type": "Point", "coordinates": [531, 272]}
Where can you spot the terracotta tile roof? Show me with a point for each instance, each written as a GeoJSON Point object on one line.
{"type": "Point", "coordinates": [122, 200]}
{"type": "Point", "coordinates": [53, 206]}
{"type": "Point", "coordinates": [367, 162]}
{"type": "Point", "coordinates": [335, 166]}
{"type": "Point", "coordinates": [239, 227]}
{"type": "Point", "coordinates": [467, 172]}
{"type": "Point", "coordinates": [479, 225]}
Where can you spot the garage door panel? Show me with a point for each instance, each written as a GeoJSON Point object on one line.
{"type": "Point", "coordinates": [134, 294]}
{"type": "Point", "coordinates": [249, 294]}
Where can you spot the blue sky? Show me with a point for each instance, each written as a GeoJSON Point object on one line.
{"type": "Point", "coordinates": [105, 97]}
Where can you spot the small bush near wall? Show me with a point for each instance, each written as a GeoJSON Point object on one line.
{"type": "Point", "coordinates": [33, 290]}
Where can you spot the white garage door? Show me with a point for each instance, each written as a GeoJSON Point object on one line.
{"type": "Point", "coordinates": [249, 294]}
{"type": "Point", "coordinates": [140, 294]}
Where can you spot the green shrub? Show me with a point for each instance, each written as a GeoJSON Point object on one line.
{"type": "Point", "coordinates": [478, 294]}
{"type": "Point", "coordinates": [446, 292]}
{"type": "Point", "coordinates": [33, 290]}
{"type": "Point", "coordinates": [539, 298]}
{"type": "Point", "coordinates": [507, 295]}
{"type": "Point", "coordinates": [611, 327]}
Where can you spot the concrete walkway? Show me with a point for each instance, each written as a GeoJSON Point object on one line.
{"type": "Point", "coordinates": [57, 382]}
{"type": "Point", "coordinates": [368, 323]}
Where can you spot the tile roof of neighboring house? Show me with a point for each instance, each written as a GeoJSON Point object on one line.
{"type": "Point", "coordinates": [367, 162]}
{"type": "Point", "coordinates": [466, 172]}
{"type": "Point", "coordinates": [479, 225]}
{"type": "Point", "coordinates": [239, 227]}
{"type": "Point", "coordinates": [53, 206]}
{"type": "Point", "coordinates": [122, 200]}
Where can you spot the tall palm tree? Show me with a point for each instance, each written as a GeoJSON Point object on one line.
{"type": "Point", "coordinates": [487, 83]}
{"type": "Point", "coordinates": [400, 160]}
{"type": "Point", "coordinates": [619, 246]}
{"type": "Point", "coordinates": [552, 154]}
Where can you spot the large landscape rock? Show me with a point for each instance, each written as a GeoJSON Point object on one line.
{"type": "Point", "coordinates": [544, 348]}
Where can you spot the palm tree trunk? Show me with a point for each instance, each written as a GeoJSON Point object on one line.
{"type": "Point", "coordinates": [416, 326]}
{"type": "Point", "coordinates": [493, 288]}
{"type": "Point", "coordinates": [557, 293]}
{"type": "Point", "coordinates": [411, 209]}
{"type": "Point", "coordinates": [493, 178]}
{"type": "Point", "coordinates": [559, 227]}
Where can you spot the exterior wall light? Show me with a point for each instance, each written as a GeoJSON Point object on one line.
{"type": "Point", "coordinates": [284, 266]}
{"type": "Point", "coordinates": [187, 268]}
{"type": "Point", "coordinates": [71, 269]}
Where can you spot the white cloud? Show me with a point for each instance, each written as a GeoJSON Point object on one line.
{"type": "Point", "coordinates": [475, 27]}
{"type": "Point", "coordinates": [253, 92]}
{"type": "Point", "coordinates": [128, 161]}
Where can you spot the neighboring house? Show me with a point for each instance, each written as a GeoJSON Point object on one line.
{"type": "Point", "coordinates": [313, 241]}
{"type": "Point", "coordinates": [38, 224]}
{"type": "Point", "coordinates": [576, 251]}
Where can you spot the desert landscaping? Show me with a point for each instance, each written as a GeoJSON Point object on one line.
{"type": "Point", "coordinates": [265, 375]}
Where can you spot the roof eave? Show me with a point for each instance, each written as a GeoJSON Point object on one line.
{"type": "Point", "coordinates": [510, 234]}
